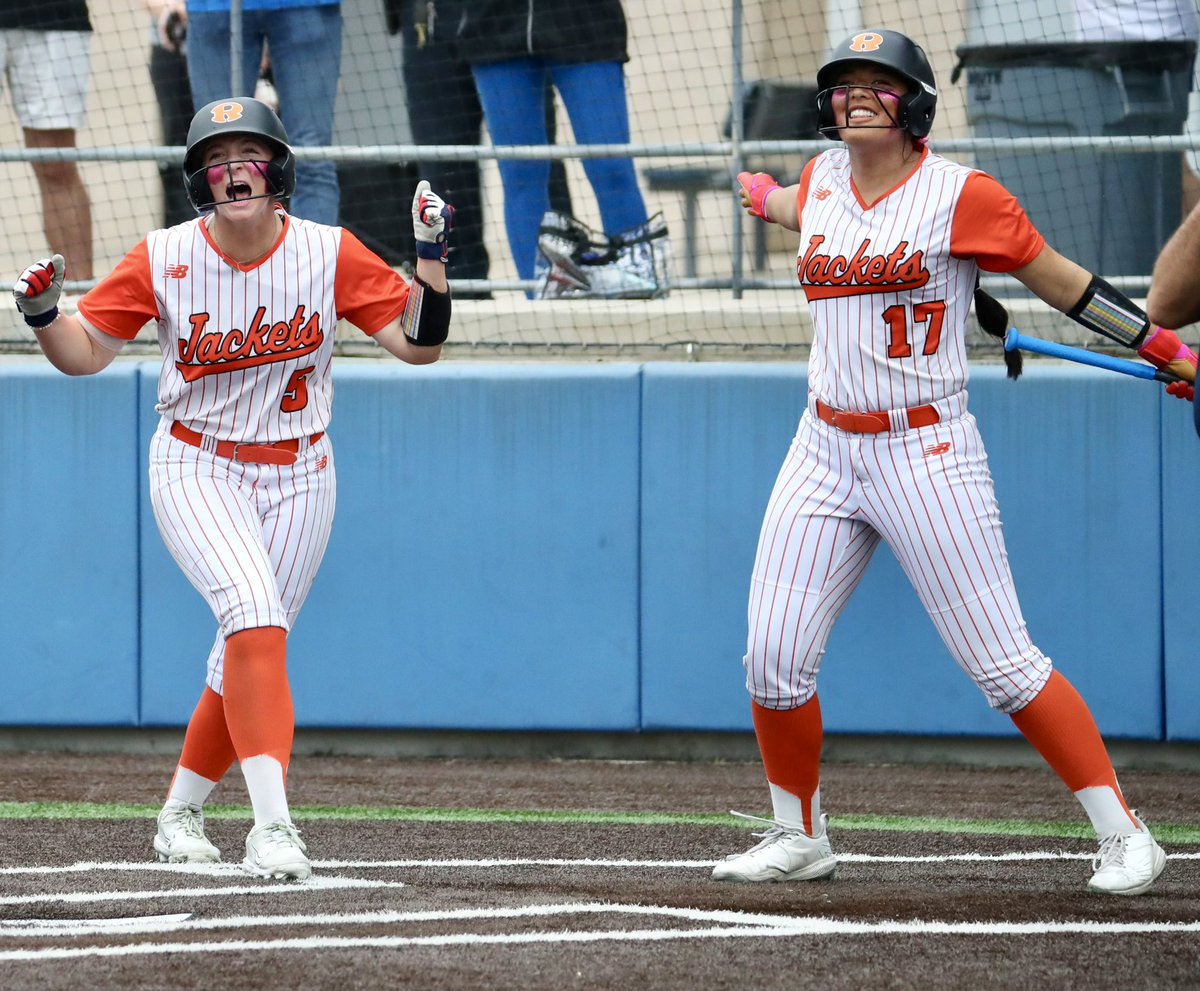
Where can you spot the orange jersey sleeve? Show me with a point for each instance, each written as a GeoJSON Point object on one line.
{"type": "Point", "coordinates": [368, 292]}
{"type": "Point", "coordinates": [991, 227]}
{"type": "Point", "coordinates": [123, 302]}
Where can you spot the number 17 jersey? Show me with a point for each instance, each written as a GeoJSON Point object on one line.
{"type": "Point", "coordinates": [890, 283]}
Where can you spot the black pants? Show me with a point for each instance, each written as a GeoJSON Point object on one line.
{"type": "Point", "coordinates": [444, 109]}
{"type": "Point", "coordinates": [168, 75]}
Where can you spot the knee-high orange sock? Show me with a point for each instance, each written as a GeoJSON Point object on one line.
{"type": "Point", "coordinates": [258, 699]}
{"type": "Point", "coordinates": [1060, 726]}
{"type": "Point", "coordinates": [790, 743]}
{"type": "Point", "coordinates": [207, 749]}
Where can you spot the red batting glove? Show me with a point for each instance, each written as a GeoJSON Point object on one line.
{"type": "Point", "coordinates": [755, 189]}
{"type": "Point", "coordinates": [1163, 349]}
{"type": "Point", "coordinates": [1163, 346]}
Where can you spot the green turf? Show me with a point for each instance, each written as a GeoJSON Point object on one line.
{"type": "Point", "coordinates": [893, 824]}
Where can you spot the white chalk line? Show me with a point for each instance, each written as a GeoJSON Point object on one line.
{"type": "Point", "coordinates": [713, 923]}
{"type": "Point", "coordinates": [92, 927]}
{"type": "Point", "coordinates": [229, 869]}
{"type": "Point", "coordinates": [806, 927]}
{"type": "Point", "coordinates": [261, 888]}
{"type": "Point", "coordinates": [160, 924]}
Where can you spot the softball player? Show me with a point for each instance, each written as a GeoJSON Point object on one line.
{"type": "Point", "coordinates": [892, 238]}
{"type": "Point", "coordinates": [246, 300]}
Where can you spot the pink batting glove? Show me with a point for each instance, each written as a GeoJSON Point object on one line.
{"type": "Point", "coordinates": [1163, 349]}
{"type": "Point", "coordinates": [754, 192]}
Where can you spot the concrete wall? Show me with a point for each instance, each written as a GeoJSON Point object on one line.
{"type": "Point", "coordinates": [567, 547]}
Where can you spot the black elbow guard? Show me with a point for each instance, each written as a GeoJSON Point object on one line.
{"type": "Point", "coordinates": [1108, 311]}
{"type": "Point", "coordinates": [426, 317]}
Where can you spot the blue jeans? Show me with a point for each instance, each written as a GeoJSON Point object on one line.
{"type": "Point", "coordinates": [306, 59]}
{"type": "Point", "coordinates": [594, 94]}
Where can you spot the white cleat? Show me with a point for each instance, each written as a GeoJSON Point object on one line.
{"type": "Point", "coordinates": [782, 855]}
{"type": "Point", "coordinates": [180, 838]}
{"type": "Point", "coordinates": [1128, 863]}
{"type": "Point", "coordinates": [275, 849]}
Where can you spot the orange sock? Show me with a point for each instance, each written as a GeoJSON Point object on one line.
{"type": "Point", "coordinates": [790, 743]}
{"type": "Point", "coordinates": [207, 749]}
{"type": "Point", "coordinates": [258, 700]}
{"type": "Point", "coordinates": [1060, 726]}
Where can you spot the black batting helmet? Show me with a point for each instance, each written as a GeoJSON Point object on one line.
{"type": "Point", "coordinates": [894, 51]}
{"type": "Point", "coordinates": [238, 116]}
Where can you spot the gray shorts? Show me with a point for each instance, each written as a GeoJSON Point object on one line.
{"type": "Point", "coordinates": [47, 73]}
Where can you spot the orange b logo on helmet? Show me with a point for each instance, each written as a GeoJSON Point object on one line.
{"type": "Point", "coordinates": [226, 113]}
{"type": "Point", "coordinates": [868, 41]}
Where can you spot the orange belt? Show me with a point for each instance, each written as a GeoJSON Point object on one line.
{"type": "Point", "coordinates": [873, 423]}
{"type": "Point", "coordinates": [282, 452]}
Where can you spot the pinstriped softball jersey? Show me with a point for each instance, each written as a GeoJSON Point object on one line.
{"type": "Point", "coordinates": [889, 285]}
{"type": "Point", "coordinates": [247, 349]}
{"type": "Point", "coordinates": [247, 353]}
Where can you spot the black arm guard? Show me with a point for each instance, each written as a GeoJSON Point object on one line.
{"type": "Point", "coordinates": [426, 317]}
{"type": "Point", "coordinates": [1110, 312]}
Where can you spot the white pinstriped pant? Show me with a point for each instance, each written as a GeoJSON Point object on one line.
{"type": "Point", "coordinates": [249, 537]}
{"type": "Point", "coordinates": [837, 495]}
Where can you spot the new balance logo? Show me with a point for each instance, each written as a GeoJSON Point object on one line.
{"type": "Point", "coordinates": [175, 272]}
{"type": "Point", "coordinates": [823, 193]}
{"type": "Point", "coordinates": [323, 462]}
{"type": "Point", "coordinates": [937, 450]}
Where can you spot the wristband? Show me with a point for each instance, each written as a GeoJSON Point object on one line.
{"type": "Point", "coordinates": [433, 251]}
{"type": "Point", "coordinates": [426, 317]}
{"type": "Point", "coordinates": [42, 320]}
{"type": "Point", "coordinates": [1108, 311]}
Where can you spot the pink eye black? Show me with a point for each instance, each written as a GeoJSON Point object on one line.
{"type": "Point", "coordinates": [218, 173]}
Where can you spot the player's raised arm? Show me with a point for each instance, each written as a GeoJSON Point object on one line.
{"type": "Point", "coordinates": [417, 335]}
{"type": "Point", "coordinates": [62, 338]}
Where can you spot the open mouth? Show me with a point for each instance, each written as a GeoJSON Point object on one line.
{"type": "Point", "coordinates": [238, 191]}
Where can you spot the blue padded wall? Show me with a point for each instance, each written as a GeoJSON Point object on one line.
{"type": "Point", "coordinates": [482, 572]}
{"type": "Point", "coordinates": [1181, 569]}
{"type": "Point", "coordinates": [714, 438]}
{"type": "Point", "coordinates": [568, 547]}
{"type": "Point", "coordinates": [69, 547]}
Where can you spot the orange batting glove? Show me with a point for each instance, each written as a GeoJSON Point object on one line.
{"type": "Point", "coordinates": [754, 192]}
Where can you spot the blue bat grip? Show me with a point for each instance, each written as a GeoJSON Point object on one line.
{"type": "Point", "coordinates": [1013, 340]}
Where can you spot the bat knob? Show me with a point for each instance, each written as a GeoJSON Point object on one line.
{"type": "Point", "coordinates": [1011, 339]}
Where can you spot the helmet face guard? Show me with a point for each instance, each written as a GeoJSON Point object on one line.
{"type": "Point", "coordinates": [243, 116]}
{"type": "Point", "coordinates": [895, 52]}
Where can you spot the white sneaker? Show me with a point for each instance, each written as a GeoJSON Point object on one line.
{"type": "Point", "coordinates": [1127, 863]}
{"type": "Point", "coordinates": [180, 838]}
{"type": "Point", "coordinates": [275, 849]}
{"type": "Point", "coordinates": [782, 855]}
